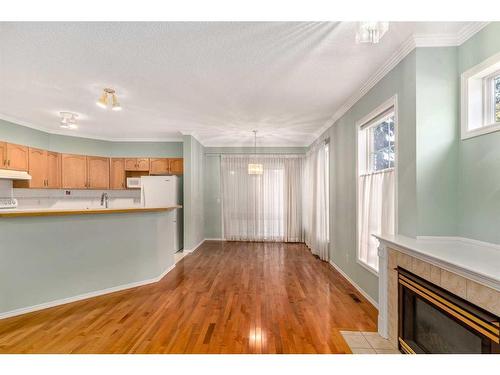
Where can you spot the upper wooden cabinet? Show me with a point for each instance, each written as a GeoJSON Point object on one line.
{"type": "Point", "coordinates": [74, 171]}
{"type": "Point", "coordinates": [137, 164]}
{"type": "Point", "coordinates": [97, 172]}
{"type": "Point", "coordinates": [176, 166]}
{"type": "Point", "coordinates": [3, 155]}
{"type": "Point", "coordinates": [117, 173]}
{"type": "Point", "coordinates": [159, 166]}
{"type": "Point", "coordinates": [38, 168]}
{"type": "Point", "coordinates": [16, 157]}
{"type": "Point", "coordinates": [53, 170]}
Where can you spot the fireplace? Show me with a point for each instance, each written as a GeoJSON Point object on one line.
{"type": "Point", "coordinates": [433, 320]}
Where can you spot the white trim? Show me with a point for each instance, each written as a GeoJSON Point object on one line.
{"type": "Point", "coordinates": [477, 72]}
{"type": "Point", "coordinates": [461, 239]}
{"type": "Point", "coordinates": [436, 40]}
{"type": "Point", "coordinates": [391, 102]}
{"type": "Point", "coordinates": [63, 301]}
{"type": "Point", "coordinates": [189, 251]}
{"type": "Point", "coordinates": [214, 239]}
{"type": "Point", "coordinates": [358, 288]}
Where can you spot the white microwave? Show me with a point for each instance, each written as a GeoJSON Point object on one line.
{"type": "Point", "coordinates": [133, 182]}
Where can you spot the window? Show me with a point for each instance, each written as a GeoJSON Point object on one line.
{"type": "Point", "coordinates": [481, 98]}
{"type": "Point", "coordinates": [376, 182]}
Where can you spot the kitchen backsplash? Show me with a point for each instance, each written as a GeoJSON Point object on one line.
{"type": "Point", "coordinates": [60, 198]}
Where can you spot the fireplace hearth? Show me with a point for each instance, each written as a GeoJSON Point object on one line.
{"type": "Point", "coordinates": [433, 320]}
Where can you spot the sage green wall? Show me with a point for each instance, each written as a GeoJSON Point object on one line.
{"type": "Point", "coordinates": [400, 81]}
{"type": "Point", "coordinates": [194, 220]}
{"type": "Point", "coordinates": [437, 96]}
{"type": "Point", "coordinates": [212, 187]}
{"type": "Point", "coordinates": [479, 157]}
{"type": "Point", "coordinates": [15, 133]}
{"type": "Point", "coordinates": [45, 259]}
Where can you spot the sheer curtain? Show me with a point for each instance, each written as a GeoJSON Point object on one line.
{"type": "Point", "coordinates": [316, 200]}
{"type": "Point", "coordinates": [376, 212]}
{"type": "Point", "coordinates": [263, 207]}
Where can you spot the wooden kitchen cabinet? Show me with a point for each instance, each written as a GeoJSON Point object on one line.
{"type": "Point", "coordinates": [97, 172]}
{"type": "Point", "coordinates": [3, 155]}
{"type": "Point", "coordinates": [17, 157]}
{"type": "Point", "coordinates": [158, 166]}
{"type": "Point", "coordinates": [74, 171]}
{"type": "Point", "coordinates": [117, 173]}
{"type": "Point", "coordinates": [176, 166]}
{"type": "Point", "coordinates": [38, 168]}
{"type": "Point", "coordinates": [53, 170]}
{"type": "Point", "coordinates": [137, 164]}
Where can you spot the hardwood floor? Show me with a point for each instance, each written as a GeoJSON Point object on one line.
{"type": "Point", "coordinates": [227, 297]}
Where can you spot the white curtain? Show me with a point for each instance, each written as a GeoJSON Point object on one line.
{"type": "Point", "coordinates": [263, 207]}
{"type": "Point", "coordinates": [376, 212]}
{"type": "Point", "coordinates": [316, 201]}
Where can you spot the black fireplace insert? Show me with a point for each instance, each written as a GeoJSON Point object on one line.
{"type": "Point", "coordinates": [433, 320]}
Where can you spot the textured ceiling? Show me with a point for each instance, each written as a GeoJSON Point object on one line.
{"type": "Point", "coordinates": [216, 80]}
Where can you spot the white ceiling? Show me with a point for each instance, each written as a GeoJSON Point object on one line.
{"type": "Point", "coordinates": [218, 81]}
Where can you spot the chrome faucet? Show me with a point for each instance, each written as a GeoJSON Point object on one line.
{"type": "Point", "coordinates": [104, 199]}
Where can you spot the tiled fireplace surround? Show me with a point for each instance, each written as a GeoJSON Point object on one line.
{"type": "Point", "coordinates": [478, 294]}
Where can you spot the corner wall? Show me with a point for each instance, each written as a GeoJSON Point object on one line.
{"type": "Point", "coordinates": [194, 166]}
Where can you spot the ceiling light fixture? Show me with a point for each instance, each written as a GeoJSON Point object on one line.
{"type": "Point", "coordinates": [104, 100]}
{"type": "Point", "coordinates": [255, 169]}
{"type": "Point", "coordinates": [68, 120]}
{"type": "Point", "coordinates": [371, 32]}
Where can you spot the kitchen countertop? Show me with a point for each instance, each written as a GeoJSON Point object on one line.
{"type": "Point", "coordinates": [78, 211]}
{"type": "Point", "coordinates": [472, 259]}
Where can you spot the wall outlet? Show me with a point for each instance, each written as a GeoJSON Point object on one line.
{"type": "Point", "coordinates": [67, 192]}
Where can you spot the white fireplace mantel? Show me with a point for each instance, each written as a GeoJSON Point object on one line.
{"type": "Point", "coordinates": [471, 259]}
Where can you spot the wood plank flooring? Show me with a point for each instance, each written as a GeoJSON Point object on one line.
{"type": "Point", "coordinates": [227, 297]}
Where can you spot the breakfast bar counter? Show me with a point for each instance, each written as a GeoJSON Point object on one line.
{"type": "Point", "coordinates": [79, 211]}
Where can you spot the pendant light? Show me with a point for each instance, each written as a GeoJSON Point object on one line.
{"type": "Point", "coordinates": [253, 168]}
{"type": "Point", "coordinates": [371, 32]}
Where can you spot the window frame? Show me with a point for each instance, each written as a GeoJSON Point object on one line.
{"type": "Point", "coordinates": [477, 105]}
{"type": "Point", "coordinates": [372, 117]}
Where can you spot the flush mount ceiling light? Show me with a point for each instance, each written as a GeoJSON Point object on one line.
{"type": "Point", "coordinates": [68, 120]}
{"type": "Point", "coordinates": [104, 100]}
{"type": "Point", "coordinates": [371, 32]}
{"type": "Point", "coordinates": [255, 169]}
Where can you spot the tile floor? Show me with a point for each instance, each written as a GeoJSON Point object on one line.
{"type": "Point", "coordinates": [368, 343]}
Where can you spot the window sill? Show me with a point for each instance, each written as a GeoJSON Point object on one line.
{"type": "Point", "coordinates": [481, 131]}
{"type": "Point", "coordinates": [367, 267]}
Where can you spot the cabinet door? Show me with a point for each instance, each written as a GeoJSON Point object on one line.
{"type": "Point", "coordinates": [17, 157]}
{"type": "Point", "coordinates": [3, 154]}
{"type": "Point", "coordinates": [74, 171]}
{"type": "Point", "coordinates": [158, 166]}
{"type": "Point", "coordinates": [142, 164]}
{"type": "Point", "coordinates": [130, 164]}
{"type": "Point", "coordinates": [117, 174]}
{"type": "Point", "coordinates": [38, 168]}
{"type": "Point", "coordinates": [53, 170]}
{"type": "Point", "coordinates": [176, 166]}
{"type": "Point", "coordinates": [98, 172]}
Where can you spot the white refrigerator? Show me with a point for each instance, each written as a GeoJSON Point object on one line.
{"type": "Point", "coordinates": [164, 191]}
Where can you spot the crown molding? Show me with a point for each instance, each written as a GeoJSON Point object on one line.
{"type": "Point", "coordinates": [430, 40]}
{"type": "Point", "coordinates": [67, 133]}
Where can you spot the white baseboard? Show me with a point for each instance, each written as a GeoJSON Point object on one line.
{"type": "Point", "coordinates": [189, 251]}
{"type": "Point", "coordinates": [63, 301]}
{"type": "Point", "coordinates": [359, 289]}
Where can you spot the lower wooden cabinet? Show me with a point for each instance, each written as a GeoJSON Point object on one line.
{"type": "Point", "coordinates": [74, 171]}
{"type": "Point", "coordinates": [97, 172]}
{"type": "Point", "coordinates": [117, 173]}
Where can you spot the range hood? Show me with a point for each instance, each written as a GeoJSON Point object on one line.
{"type": "Point", "coordinates": [6, 174]}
